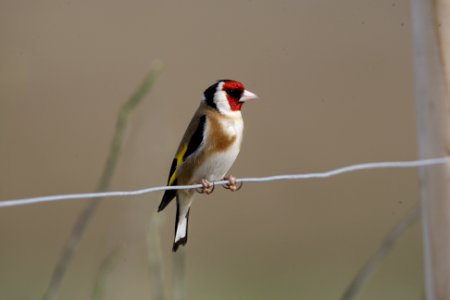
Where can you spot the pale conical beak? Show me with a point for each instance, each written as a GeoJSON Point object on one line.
{"type": "Point", "coordinates": [247, 95]}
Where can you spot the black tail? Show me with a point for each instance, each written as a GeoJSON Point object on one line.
{"type": "Point", "coordinates": [181, 229]}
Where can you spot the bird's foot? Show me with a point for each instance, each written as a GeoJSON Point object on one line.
{"type": "Point", "coordinates": [207, 187]}
{"type": "Point", "coordinates": [232, 184]}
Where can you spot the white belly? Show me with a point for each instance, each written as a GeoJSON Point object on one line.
{"type": "Point", "coordinates": [218, 164]}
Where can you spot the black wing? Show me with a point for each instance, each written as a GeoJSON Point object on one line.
{"type": "Point", "coordinates": [194, 143]}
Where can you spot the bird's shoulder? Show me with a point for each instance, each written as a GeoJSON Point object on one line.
{"type": "Point", "coordinates": [195, 130]}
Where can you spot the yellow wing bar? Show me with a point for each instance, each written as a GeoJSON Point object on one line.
{"type": "Point", "coordinates": [179, 159]}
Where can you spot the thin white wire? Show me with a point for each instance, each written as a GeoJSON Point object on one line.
{"type": "Point", "coordinates": [330, 173]}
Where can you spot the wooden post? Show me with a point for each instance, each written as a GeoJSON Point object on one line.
{"type": "Point", "coordinates": [431, 52]}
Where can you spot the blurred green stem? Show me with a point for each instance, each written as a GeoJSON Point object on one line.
{"type": "Point", "coordinates": [85, 216]}
{"type": "Point", "coordinates": [155, 258]}
{"type": "Point", "coordinates": [106, 267]}
{"type": "Point", "coordinates": [375, 260]}
{"type": "Point", "coordinates": [179, 278]}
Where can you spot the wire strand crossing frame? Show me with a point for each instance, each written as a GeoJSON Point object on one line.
{"type": "Point", "coordinates": [326, 174]}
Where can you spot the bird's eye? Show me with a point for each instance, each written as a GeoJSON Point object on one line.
{"type": "Point", "coordinates": [235, 93]}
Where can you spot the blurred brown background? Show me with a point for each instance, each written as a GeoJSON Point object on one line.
{"type": "Point", "coordinates": [335, 86]}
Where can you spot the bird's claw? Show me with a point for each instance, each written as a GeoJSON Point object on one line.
{"type": "Point", "coordinates": [232, 184]}
{"type": "Point", "coordinates": [207, 187]}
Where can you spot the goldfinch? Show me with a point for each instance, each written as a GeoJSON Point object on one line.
{"type": "Point", "coordinates": [208, 149]}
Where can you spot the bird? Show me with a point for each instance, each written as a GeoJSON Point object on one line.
{"type": "Point", "coordinates": [208, 149]}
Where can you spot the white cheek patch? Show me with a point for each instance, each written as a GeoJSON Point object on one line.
{"type": "Point", "coordinates": [220, 99]}
{"type": "Point", "coordinates": [222, 103]}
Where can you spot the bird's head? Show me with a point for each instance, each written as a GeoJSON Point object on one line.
{"type": "Point", "coordinates": [227, 96]}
